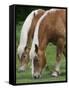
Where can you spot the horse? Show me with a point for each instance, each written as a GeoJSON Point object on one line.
{"type": "Point", "coordinates": [26, 36]}
{"type": "Point", "coordinates": [51, 27]}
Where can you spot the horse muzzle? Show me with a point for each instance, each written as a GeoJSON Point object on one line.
{"type": "Point", "coordinates": [36, 75]}
{"type": "Point", "coordinates": [21, 69]}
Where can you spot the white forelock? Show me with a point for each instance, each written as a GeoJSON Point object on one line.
{"type": "Point", "coordinates": [24, 32]}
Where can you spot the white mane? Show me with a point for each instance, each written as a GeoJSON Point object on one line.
{"type": "Point", "coordinates": [24, 32]}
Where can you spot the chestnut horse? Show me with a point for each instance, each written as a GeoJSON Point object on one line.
{"type": "Point", "coordinates": [51, 27]}
{"type": "Point", "coordinates": [26, 36]}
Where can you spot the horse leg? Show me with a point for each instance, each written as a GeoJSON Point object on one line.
{"type": "Point", "coordinates": [64, 51]}
{"type": "Point", "coordinates": [60, 47]}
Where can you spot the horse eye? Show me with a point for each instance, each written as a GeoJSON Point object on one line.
{"type": "Point", "coordinates": [24, 56]}
{"type": "Point", "coordinates": [35, 59]}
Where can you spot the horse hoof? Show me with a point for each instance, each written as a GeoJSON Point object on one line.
{"type": "Point", "coordinates": [55, 74]}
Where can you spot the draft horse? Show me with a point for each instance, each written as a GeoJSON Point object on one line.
{"type": "Point", "coordinates": [51, 27]}
{"type": "Point", "coordinates": [26, 36]}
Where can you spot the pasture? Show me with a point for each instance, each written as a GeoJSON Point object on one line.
{"type": "Point", "coordinates": [26, 77]}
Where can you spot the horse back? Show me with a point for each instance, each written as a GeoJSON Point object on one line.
{"type": "Point", "coordinates": [53, 26]}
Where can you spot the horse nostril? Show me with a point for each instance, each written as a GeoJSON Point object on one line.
{"type": "Point", "coordinates": [24, 56]}
{"type": "Point", "coordinates": [37, 77]}
{"type": "Point", "coordinates": [21, 69]}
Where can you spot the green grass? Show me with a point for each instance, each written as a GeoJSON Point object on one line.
{"type": "Point", "coordinates": [26, 77]}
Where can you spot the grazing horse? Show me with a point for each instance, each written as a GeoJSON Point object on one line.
{"type": "Point", "coordinates": [26, 36]}
{"type": "Point", "coordinates": [51, 27]}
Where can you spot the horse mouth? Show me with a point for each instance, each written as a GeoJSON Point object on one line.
{"type": "Point", "coordinates": [21, 69]}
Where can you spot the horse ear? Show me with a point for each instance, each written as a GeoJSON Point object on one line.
{"type": "Point", "coordinates": [36, 48]}
{"type": "Point", "coordinates": [25, 48]}
{"type": "Point", "coordinates": [34, 14]}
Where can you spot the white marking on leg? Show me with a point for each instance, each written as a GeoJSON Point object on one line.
{"type": "Point", "coordinates": [54, 74]}
{"type": "Point", "coordinates": [57, 69]}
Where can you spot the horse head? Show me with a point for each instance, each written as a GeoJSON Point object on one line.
{"type": "Point", "coordinates": [38, 62]}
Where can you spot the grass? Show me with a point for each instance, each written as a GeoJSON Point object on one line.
{"type": "Point", "coordinates": [26, 77]}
